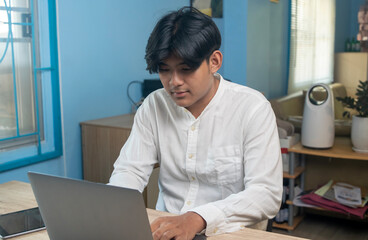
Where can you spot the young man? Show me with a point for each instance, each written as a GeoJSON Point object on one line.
{"type": "Point", "coordinates": [216, 141]}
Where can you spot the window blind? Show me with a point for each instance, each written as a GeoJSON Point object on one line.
{"type": "Point", "coordinates": [312, 34]}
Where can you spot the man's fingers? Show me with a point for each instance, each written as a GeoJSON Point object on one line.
{"type": "Point", "coordinates": [181, 227]}
{"type": "Point", "coordinates": [157, 222]}
{"type": "Point", "coordinates": [161, 228]}
{"type": "Point", "coordinates": [165, 232]}
{"type": "Point", "coordinates": [169, 234]}
{"type": "Point", "coordinates": [154, 225]}
{"type": "Point", "coordinates": [158, 232]}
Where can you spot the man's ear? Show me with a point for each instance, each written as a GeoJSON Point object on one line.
{"type": "Point", "coordinates": [215, 61]}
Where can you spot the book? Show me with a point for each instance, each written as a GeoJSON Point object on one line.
{"type": "Point", "coordinates": [343, 193]}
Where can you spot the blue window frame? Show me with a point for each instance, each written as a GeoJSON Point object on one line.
{"type": "Point", "coordinates": [30, 125]}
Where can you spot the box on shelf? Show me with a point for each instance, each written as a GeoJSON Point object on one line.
{"type": "Point", "coordinates": [286, 143]}
{"type": "Point", "coordinates": [289, 141]}
{"type": "Point", "coordinates": [283, 214]}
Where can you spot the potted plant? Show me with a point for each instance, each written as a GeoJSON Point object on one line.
{"type": "Point", "coordinates": [359, 126]}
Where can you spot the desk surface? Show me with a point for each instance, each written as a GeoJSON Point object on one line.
{"type": "Point", "coordinates": [342, 148]}
{"type": "Point", "coordinates": [15, 196]}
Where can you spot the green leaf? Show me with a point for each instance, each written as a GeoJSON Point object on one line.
{"type": "Point", "coordinates": [360, 104]}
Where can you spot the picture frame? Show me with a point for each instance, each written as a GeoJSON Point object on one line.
{"type": "Point", "coordinates": [212, 8]}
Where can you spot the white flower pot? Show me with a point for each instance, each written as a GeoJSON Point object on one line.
{"type": "Point", "coordinates": [359, 134]}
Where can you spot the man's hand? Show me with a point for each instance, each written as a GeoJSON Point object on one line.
{"type": "Point", "coordinates": [183, 227]}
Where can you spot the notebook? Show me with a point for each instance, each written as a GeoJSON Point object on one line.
{"type": "Point", "coordinates": [75, 209]}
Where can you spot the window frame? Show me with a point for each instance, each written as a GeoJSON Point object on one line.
{"type": "Point", "coordinates": [50, 146]}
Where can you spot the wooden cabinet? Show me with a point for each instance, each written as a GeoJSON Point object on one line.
{"type": "Point", "coordinates": [102, 140]}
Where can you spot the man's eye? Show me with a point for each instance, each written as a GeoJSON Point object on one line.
{"type": "Point", "coordinates": [163, 69]}
{"type": "Point", "coordinates": [187, 69]}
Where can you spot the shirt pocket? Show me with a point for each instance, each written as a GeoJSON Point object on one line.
{"type": "Point", "coordinates": [224, 165]}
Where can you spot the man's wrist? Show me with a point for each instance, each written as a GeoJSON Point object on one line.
{"type": "Point", "coordinates": [201, 232]}
{"type": "Point", "coordinates": [198, 221]}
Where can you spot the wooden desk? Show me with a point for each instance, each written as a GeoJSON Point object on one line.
{"type": "Point", "coordinates": [16, 196]}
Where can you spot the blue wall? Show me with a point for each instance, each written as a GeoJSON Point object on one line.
{"type": "Point", "coordinates": [220, 25]}
{"type": "Point", "coordinates": [342, 27]}
{"type": "Point", "coordinates": [54, 166]}
{"type": "Point", "coordinates": [235, 35]}
{"type": "Point", "coordinates": [101, 50]}
{"type": "Point", "coordinates": [267, 47]}
{"type": "Point", "coordinates": [354, 27]}
{"type": "Point", "coordinates": [346, 22]}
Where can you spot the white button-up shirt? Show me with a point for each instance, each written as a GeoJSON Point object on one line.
{"type": "Point", "coordinates": [224, 165]}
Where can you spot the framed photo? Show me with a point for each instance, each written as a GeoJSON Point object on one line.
{"type": "Point", "coordinates": [212, 8]}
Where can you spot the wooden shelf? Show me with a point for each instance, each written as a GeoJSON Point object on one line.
{"type": "Point", "coordinates": [342, 148]}
{"type": "Point", "coordinates": [297, 172]}
{"type": "Point", "coordinates": [289, 202]}
{"type": "Point", "coordinates": [329, 213]}
{"type": "Point", "coordinates": [286, 226]}
{"type": "Point", "coordinates": [319, 209]}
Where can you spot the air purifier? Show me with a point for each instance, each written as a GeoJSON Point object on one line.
{"type": "Point", "coordinates": [318, 129]}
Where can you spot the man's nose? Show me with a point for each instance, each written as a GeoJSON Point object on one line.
{"type": "Point", "coordinates": [176, 79]}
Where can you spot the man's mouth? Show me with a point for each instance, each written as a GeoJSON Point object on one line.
{"type": "Point", "coordinates": [179, 93]}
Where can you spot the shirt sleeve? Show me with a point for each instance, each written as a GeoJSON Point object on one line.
{"type": "Point", "coordinates": [261, 197]}
{"type": "Point", "coordinates": [138, 156]}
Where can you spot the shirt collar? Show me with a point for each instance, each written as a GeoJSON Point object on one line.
{"type": "Point", "coordinates": [213, 102]}
{"type": "Point", "coordinates": [216, 98]}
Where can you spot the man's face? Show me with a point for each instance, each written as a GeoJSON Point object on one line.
{"type": "Point", "coordinates": [192, 89]}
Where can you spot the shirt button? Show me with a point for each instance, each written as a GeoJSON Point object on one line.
{"type": "Point", "coordinates": [190, 156]}
{"type": "Point", "coordinates": [193, 178]}
{"type": "Point", "coordinates": [189, 202]}
{"type": "Point", "coordinates": [193, 128]}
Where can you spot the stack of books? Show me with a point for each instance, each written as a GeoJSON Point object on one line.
{"type": "Point", "coordinates": [336, 196]}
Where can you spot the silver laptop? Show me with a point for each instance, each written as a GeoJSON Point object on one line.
{"type": "Point", "coordinates": [75, 209]}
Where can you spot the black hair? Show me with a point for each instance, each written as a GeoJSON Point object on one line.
{"type": "Point", "coordinates": [186, 33]}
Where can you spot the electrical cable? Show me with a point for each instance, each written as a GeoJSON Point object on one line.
{"type": "Point", "coordinates": [9, 31]}
{"type": "Point", "coordinates": [135, 105]}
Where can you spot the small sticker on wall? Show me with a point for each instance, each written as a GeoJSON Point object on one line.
{"type": "Point", "coordinates": [274, 1]}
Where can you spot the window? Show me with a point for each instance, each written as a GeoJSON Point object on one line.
{"type": "Point", "coordinates": [312, 37]}
{"type": "Point", "coordinates": [30, 128]}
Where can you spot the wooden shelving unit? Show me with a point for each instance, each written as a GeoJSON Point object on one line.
{"type": "Point", "coordinates": [342, 151]}
{"type": "Point", "coordinates": [286, 226]}
{"type": "Point", "coordinates": [293, 173]}
{"type": "Point", "coordinates": [297, 172]}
